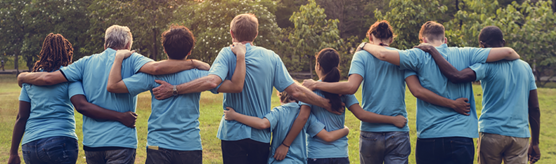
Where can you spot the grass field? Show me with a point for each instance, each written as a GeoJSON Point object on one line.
{"type": "Point", "coordinates": [211, 112]}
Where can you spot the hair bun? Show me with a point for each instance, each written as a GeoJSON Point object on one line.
{"type": "Point", "coordinates": [383, 26]}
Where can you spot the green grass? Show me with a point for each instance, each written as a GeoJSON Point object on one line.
{"type": "Point", "coordinates": [211, 112]}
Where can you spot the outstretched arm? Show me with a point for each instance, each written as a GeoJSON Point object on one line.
{"type": "Point", "coordinates": [333, 135]}
{"type": "Point", "coordinates": [502, 53]}
{"type": "Point", "coordinates": [459, 105]}
{"type": "Point", "coordinates": [296, 128]}
{"type": "Point", "coordinates": [370, 117]}
{"type": "Point", "coordinates": [535, 122]}
{"type": "Point", "coordinates": [453, 74]}
{"type": "Point", "coordinates": [345, 87]}
{"type": "Point", "coordinates": [307, 96]}
{"type": "Point", "coordinates": [98, 113]}
{"type": "Point", "coordinates": [41, 78]}
{"type": "Point", "coordinates": [381, 53]}
{"type": "Point", "coordinates": [172, 66]}
{"type": "Point", "coordinates": [19, 129]}
{"type": "Point", "coordinates": [255, 122]}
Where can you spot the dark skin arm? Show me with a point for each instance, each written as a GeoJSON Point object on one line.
{"type": "Point", "coordinates": [453, 74]}
{"type": "Point", "coordinates": [98, 113]}
{"type": "Point", "coordinates": [297, 126]}
{"type": "Point", "coordinates": [19, 129]}
{"type": "Point", "coordinates": [535, 122]}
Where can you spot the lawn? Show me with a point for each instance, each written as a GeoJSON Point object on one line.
{"type": "Point", "coordinates": [211, 112]}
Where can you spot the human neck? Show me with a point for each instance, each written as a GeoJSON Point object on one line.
{"type": "Point", "coordinates": [436, 43]}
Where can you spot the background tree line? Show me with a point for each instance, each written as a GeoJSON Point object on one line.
{"type": "Point", "coordinates": [294, 29]}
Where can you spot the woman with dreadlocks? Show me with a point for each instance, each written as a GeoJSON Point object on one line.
{"type": "Point", "coordinates": [46, 112]}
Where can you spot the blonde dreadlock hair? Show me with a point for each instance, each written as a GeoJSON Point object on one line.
{"type": "Point", "coordinates": [56, 51]}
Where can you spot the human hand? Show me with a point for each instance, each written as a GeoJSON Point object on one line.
{"type": "Point", "coordinates": [359, 47]}
{"type": "Point", "coordinates": [124, 53]}
{"type": "Point", "coordinates": [310, 84]}
{"type": "Point", "coordinates": [461, 106]}
{"type": "Point", "coordinates": [399, 121]}
{"type": "Point", "coordinates": [163, 91]}
{"type": "Point", "coordinates": [281, 152]}
{"type": "Point", "coordinates": [201, 65]}
{"type": "Point", "coordinates": [328, 107]}
{"type": "Point", "coordinates": [238, 49]}
{"type": "Point", "coordinates": [425, 47]}
{"type": "Point", "coordinates": [128, 119]}
{"type": "Point", "coordinates": [229, 114]}
{"type": "Point", "coordinates": [534, 153]}
{"type": "Point", "coordinates": [20, 78]}
{"type": "Point", "coordinates": [14, 159]}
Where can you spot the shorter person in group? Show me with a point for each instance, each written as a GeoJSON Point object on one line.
{"type": "Point", "coordinates": [279, 120]}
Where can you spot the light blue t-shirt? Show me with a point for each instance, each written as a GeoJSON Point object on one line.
{"type": "Point", "coordinates": [93, 71]}
{"type": "Point", "coordinates": [436, 121]}
{"type": "Point", "coordinates": [281, 120]}
{"type": "Point", "coordinates": [174, 122]}
{"type": "Point", "coordinates": [506, 87]}
{"type": "Point", "coordinates": [264, 70]}
{"type": "Point", "coordinates": [319, 148]}
{"type": "Point", "coordinates": [51, 112]}
{"type": "Point", "coordinates": [383, 89]}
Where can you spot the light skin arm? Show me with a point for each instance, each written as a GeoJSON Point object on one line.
{"type": "Point", "coordinates": [453, 74]}
{"type": "Point", "coordinates": [19, 129]}
{"type": "Point", "coordinates": [534, 152]}
{"type": "Point", "coordinates": [345, 87]}
{"type": "Point", "coordinates": [502, 53]}
{"type": "Point", "coordinates": [115, 83]}
{"type": "Point", "coordinates": [305, 95]}
{"type": "Point", "coordinates": [296, 128]}
{"type": "Point", "coordinates": [172, 66]}
{"type": "Point", "coordinates": [370, 117]}
{"type": "Point", "coordinates": [381, 53]}
{"type": "Point", "coordinates": [255, 122]}
{"type": "Point", "coordinates": [333, 135]}
{"type": "Point", "coordinates": [41, 78]}
{"type": "Point", "coordinates": [98, 113]}
{"type": "Point", "coordinates": [235, 85]}
{"type": "Point", "coordinates": [460, 105]}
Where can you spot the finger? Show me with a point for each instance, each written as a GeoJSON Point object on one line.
{"type": "Point", "coordinates": [465, 99]}
{"type": "Point", "coordinates": [160, 82]}
{"type": "Point", "coordinates": [132, 51]}
{"type": "Point", "coordinates": [229, 108]}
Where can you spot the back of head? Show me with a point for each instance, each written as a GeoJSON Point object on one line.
{"type": "Point", "coordinates": [381, 30]}
{"type": "Point", "coordinates": [178, 42]}
{"type": "Point", "coordinates": [432, 31]}
{"type": "Point", "coordinates": [329, 62]}
{"type": "Point", "coordinates": [245, 27]}
{"type": "Point", "coordinates": [491, 36]}
{"type": "Point", "coordinates": [117, 37]}
{"type": "Point", "coordinates": [56, 51]}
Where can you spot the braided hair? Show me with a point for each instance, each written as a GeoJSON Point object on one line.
{"type": "Point", "coordinates": [329, 61]}
{"type": "Point", "coordinates": [56, 51]}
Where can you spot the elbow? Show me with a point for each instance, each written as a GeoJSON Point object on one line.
{"type": "Point", "coordinates": [417, 94]}
{"type": "Point", "coordinates": [111, 88]}
{"type": "Point", "coordinates": [352, 89]}
{"type": "Point", "coordinates": [381, 55]}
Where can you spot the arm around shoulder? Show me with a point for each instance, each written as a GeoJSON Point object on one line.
{"type": "Point", "coordinates": [503, 53]}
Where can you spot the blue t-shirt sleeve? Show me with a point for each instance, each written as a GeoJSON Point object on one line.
{"type": "Point", "coordinates": [282, 78]}
{"type": "Point", "coordinates": [411, 59]}
{"type": "Point", "coordinates": [273, 118]}
{"type": "Point", "coordinates": [74, 71]}
{"type": "Point", "coordinates": [358, 64]}
{"type": "Point", "coordinates": [23, 96]}
{"type": "Point", "coordinates": [349, 100]}
{"type": "Point", "coordinates": [139, 83]}
{"type": "Point", "coordinates": [480, 69]}
{"type": "Point", "coordinates": [220, 65]}
{"type": "Point", "coordinates": [475, 55]}
{"type": "Point", "coordinates": [302, 103]}
{"type": "Point", "coordinates": [138, 61]}
{"type": "Point", "coordinates": [314, 126]}
{"type": "Point", "coordinates": [408, 73]}
{"type": "Point", "coordinates": [75, 88]}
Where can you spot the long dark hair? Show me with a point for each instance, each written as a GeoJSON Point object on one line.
{"type": "Point", "coordinates": [56, 51]}
{"type": "Point", "coordinates": [329, 61]}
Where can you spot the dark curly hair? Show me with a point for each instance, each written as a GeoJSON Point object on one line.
{"type": "Point", "coordinates": [56, 51]}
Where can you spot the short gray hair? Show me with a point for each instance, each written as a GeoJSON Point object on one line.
{"type": "Point", "coordinates": [117, 37]}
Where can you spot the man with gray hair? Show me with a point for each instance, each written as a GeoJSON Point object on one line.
{"type": "Point", "coordinates": [107, 141]}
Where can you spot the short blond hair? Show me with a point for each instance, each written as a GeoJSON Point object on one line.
{"type": "Point", "coordinates": [245, 27]}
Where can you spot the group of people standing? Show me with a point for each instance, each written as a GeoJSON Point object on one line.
{"type": "Point", "coordinates": [309, 125]}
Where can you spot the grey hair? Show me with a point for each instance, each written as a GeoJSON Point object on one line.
{"type": "Point", "coordinates": [117, 37]}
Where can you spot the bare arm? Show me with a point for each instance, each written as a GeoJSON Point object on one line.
{"type": "Point", "coordinates": [296, 128]}
{"type": "Point", "coordinates": [381, 53]}
{"type": "Point", "coordinates": [98, 113]}
{"type": "Point", "coordinates": [503, 53]}
{"type": "Point", "coordinates": [235, 85]}
{"type": "Point", "coordinates": [333, 135]}
{"type": "Point", "coordinates": [115, 83]}
{"type": "Point", "coordinates": [305, 95]}
{"type": "Point", "coordinates": [459, 105]}
{"type": "Point", "coordinates": [41, 78]}
{"type": "Point", "coordinates": [370, 117]}
{"type": "Point", "coordinates": [346, 87]}
{"type": "Point", "coordinates": [535, 123]}
{"type": "Point", "coordinates": [172, 66]}
{"type": "Point", "coordinates": [198, 85]}
{"type": "Point", "coordinates": [453, 74]}
{"type": "Point", "coordinates": [255, 122]}
{"type": "Point", "coordinates": [19, 129]}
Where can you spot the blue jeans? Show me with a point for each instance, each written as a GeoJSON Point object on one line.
{"type": "Point", "coordinates": [387, 147]}
{"type": "Point", "coordinates": [447, 150]}
{"type": "Point", "coordinates": [117, 156]}
{"type": "Point", "coordinates": [167, 156]}
{"type": "Point", "coordinates": [50, 150]}
{"type": "Point", "coordinates": [328, 160]}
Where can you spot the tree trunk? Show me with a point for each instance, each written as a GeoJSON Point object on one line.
{"type": "Point", "coordinates": [16, 62]}
{"type": "Point", "coordinates": [311, 67]}
{"type": "Point", "coordinates": [154, 50]}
